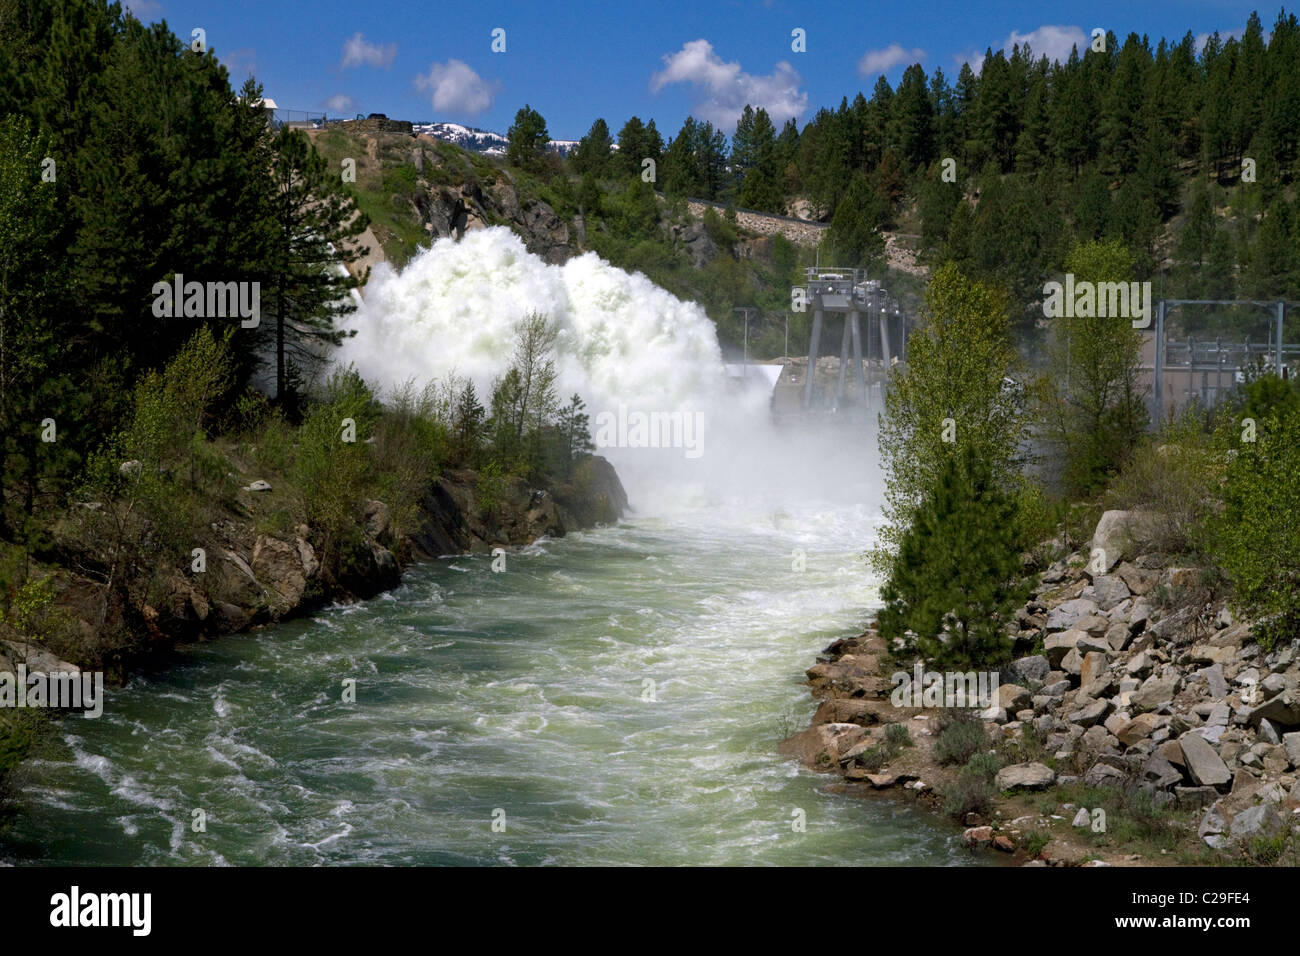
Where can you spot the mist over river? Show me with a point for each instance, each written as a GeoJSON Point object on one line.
{"type": "Point", "coordinates": [612, 697]}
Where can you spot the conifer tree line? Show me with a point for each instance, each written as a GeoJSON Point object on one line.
{"type": "Point", "coordinates": [129, 167]}
{"type": "Point", "coordinates": [127, 160]}
{"type": "Point", "coordinates": [1039, 155]}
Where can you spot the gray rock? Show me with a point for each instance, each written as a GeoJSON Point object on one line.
{"type": "Point", "coordinates": [1259, 820]}
{"type": "Point", "coordinates": [1284, 710]}
{"type": "Point", "coordinates": [1109, 590]}
{"type": "Point", "coordinates": [1097, 739]}
{"type": "Point", "coordinates": [1104, 775]}
{"type": "Point", "coordinates": [1139, 665]}
{"type": "Point", "coordinates": [130, 469]}
{"type": "Point", "coordinates": [1214, 822]}
{"type": "Point", "coordinates": [1082, 818]}
{"type": "Point", "coordinates": [1026, 776]}
{"type": "Point", "coordinates": [1214, 677]}
{"type": "Point", "coordinates": [1139, 580]}
{"type": "Point", "coordinates": [258, 485]}
{"type": "Point", "coordinates": [1056, 646]}
{"type": "Point", "coordinates": [1095, 625]}
{"type": "Point", "coordinates": [1119, 534]}
{"type": "Point", "coordinates": [1204, 765]}
{"type": "Point", "coordinates": [1118, 636]}
{"type": "Point", "coordinates": [1029, 669]}
{"type": "Point", "coordinates": [1143, 725]}
{"type": "Point", "coordinates": [1291, 742]}
{"type": "Point", "coordinates": [1072, 663]}
{"type": "Point", "coordinates": [1138, 616]}
{"type": "Point", "coordinates": [1160, 773]}
{"type": "Point", "coordinates": [1065, 616]}
{"type": "Point", "coordinates": [1090, 713]}
{"type": "Point", "coordinates": [1155, 690]}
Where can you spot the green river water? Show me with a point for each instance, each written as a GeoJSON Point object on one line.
{"type": "Point", "coordinates": [518, 695]}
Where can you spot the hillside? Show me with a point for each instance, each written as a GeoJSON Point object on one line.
{"type": "Point", "coordinates": [415, 189]}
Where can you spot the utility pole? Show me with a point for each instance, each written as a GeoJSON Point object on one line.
{"type": "Point", "coordinates": [745, 311]}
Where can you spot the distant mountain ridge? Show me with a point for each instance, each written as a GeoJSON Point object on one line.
{"type": "Point", "coordinates": [481, 140]}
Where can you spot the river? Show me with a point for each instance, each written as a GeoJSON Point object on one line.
{"type": "Point", "coordinates": [519, 697]}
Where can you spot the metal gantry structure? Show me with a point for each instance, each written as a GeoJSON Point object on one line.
{"type": "Point", "coordinates": [1216, 358]}
{"type": "Point", "coordinates": [850, 293]}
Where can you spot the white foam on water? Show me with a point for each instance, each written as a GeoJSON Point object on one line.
{"type": "Point", "coordinates": [622, 343]}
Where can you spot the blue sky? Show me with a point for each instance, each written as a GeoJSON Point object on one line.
{"type": "Point", "coordinates": [575, 61]}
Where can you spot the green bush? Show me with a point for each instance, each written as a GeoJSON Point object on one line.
{"type": "Point", "coordinates": [1175, 475]}
{"type": "Point", "coordinates": [969, 793]}
{"type": "Point", "coordinates": [961, 736]}
{"type": "Point", "coordinates": [897, 737]}
{"type": "Point", "coordinates": [1254, 536]}
{"type": "Point", "coordinates": [332, 472]}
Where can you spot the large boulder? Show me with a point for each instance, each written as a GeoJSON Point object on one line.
{"type": "Point", "coordinates": [1066, 615]}
{"type": "Point", "coordinates": [1260, 820]}
{"type": "Point", "coordinates": [1204, 765]}
{"type": "Point", "coordinates": [1154, 692]}
{"type": "Point", "coordinates": [1139, 728]}
{"type": "Point", "coordinates": [277, 565]}
{"type": "Point", "coordinates": [1109, 590]}
{"type": "Point", "coordinates": [1028, 670]}
{"type": "Point", "coordinates": [819, 747]}
{"type": "Point", "coordinates": [1120, 535]}
{"type": "Point", "coordinates": [1292, 744]}
{"type": "Point", "coordinates": [1025, 776]}
{"type": "Point", "coordinates": [1283, 710]}
{"type": "Point", "coordinates": [1056, 646]}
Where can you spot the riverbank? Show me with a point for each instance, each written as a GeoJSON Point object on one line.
{"type": "Point", "coordinates": [1141, 726]}
{"type": "Point", "coordinates": [578, 692]}
{"type": "Point", "coordinates": [251, 576]}
{"type": "Point", "coordinates": [261, 565]}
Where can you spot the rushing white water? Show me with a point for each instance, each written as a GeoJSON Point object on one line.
{"type": "Point", "coordinates": [622, 341]}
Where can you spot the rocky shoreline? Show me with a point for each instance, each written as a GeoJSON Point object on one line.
{"type": "Point", "coordinates": [255, 578]}
{"type": "Point", "coordinates": [1140, 724]}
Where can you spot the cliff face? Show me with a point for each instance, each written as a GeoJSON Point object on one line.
{"type": "Point", "coordinates": [253, 577]}
{"type": "Point", "coordinates": [416, 189]}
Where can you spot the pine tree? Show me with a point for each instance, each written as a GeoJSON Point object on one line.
{"type": "Point", "coordinates": [467, 424]}
{"type": "Point", "coordinates": [593, 152]}
{"type": "Point", "coordinates": [34, 379]}
{"type": "Point", "coordinates": [956, 577]}
{"type": "Point", "coordinates": [526, 139]}
{"type": "Point", "coordinates": [573, 427]}
{"type": "Point", "coordinates": [318, 225]}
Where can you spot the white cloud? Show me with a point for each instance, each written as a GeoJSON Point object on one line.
{"type": "Point", "coordinates": [357, 52]}
{"type": "Point", "coordinates": [456, 88]}
{"type": "Point", "coordinates": [144, 10]}
{"type": "Point", "coordinates": [1203, 38]}
{"type": "Point", "coordinates": [874, 62]}
{"type": "Point", "coordinates": [723, 89]}
{"type": "Point", "coordinates": [241, 62]}
{"type": "Point", "coordinates": [340, 103]}
{"type": "Point", "coordinates": [1054, 42]}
